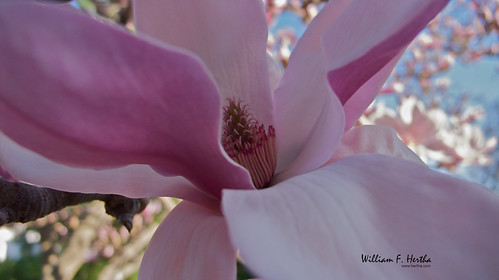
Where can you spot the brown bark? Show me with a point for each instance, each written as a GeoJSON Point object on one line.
{"type": "Point", "coordinates": [20, 202]}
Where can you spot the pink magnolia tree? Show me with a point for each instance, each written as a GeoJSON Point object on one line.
{"type": "Point", "coordinates": [422, 73]}
{"type": "Point", "coordinates": [435, 136]}
{"type": "Point", "coordinates": [188, 108]}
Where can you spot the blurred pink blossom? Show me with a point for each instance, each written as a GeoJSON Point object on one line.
{"type": "Point", "coordinates": [433, 135]}
{"type": "Point", "coordinates": [281, 44]}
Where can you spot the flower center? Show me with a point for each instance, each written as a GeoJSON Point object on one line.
{"type": "Point", "coordinates": [247, 143]}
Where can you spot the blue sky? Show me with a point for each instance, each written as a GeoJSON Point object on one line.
{"type": "Point", "coordinates": [479, 80]}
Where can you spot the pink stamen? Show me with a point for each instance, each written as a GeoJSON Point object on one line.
{"type": "Point", "coordinates": [247, 143]}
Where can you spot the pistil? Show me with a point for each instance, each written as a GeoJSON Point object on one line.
{"type": "Point", "coordinates": [248, 143]}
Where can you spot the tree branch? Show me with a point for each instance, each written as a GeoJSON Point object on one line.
{"type": "Point", "coordinates": [22, 203]}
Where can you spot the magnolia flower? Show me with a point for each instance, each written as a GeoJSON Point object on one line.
{"type": "Point", "coordinates": [433, 135]}
{"type": "Point", "coordinates": [472, 146]}
{"type": "Point", "coordinates": [186, 109]}
{"type": "Point", "coordinates": [424, 130]}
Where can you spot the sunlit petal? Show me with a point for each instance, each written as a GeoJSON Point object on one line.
{"type": "Point", "coordinates": [84, 93]}
{"type": "Point", "coordinates": [230, 37]}
{"type": "Point", "coordinates": [318, 225]}
{"type": "Point", "coordinates": [191, 243]}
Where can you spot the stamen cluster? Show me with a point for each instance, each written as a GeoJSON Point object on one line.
{"type": "Point", "coordinates": [247, 143]}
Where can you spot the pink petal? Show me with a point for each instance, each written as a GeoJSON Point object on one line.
{"type": "Point", "coordinates": [363, 44]}
{"type": "Point", "coordinates": [308, 134]}
{"type": "Point", "coordinates": [191, 243]}
{"type": "Point", "coordinates": [135, 180]}
{"type": "Point", "coordinates": [363, 97]}
{"type": "Point", "coordinates": [6, 175]}
{"type": "Point", "coordinates": [309, 121]}
{"type": "Point", "coordinates": [373, 139]}
{"type": "Point", "coordinates": [87, 94]}
{"type": "Point", "coordinates": [311, 39]}
{"type": "Point", "coordinates": [229, 36]}
{"type": "Point", "coordinates": [317, 225]}
{"type": "Point", "coordinates": [275, 71]}
{"type": "Point", "coordinates": [309, 118]}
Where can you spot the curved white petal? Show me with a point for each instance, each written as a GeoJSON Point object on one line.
{"type": "Point", "coordinates": [191, 243]}
{"type": "Point", "coordinates": [319, 225]}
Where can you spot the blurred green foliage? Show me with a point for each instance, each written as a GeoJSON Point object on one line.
{"type": "Point", "coordinates": [90, 270]}
{"type": "Point", "coordinates": [27, 268]}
